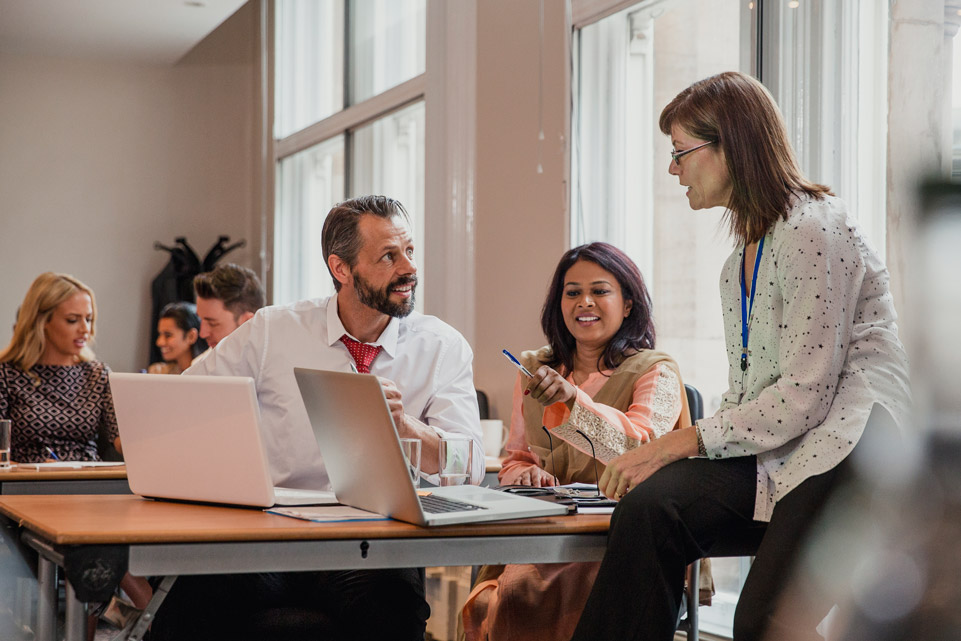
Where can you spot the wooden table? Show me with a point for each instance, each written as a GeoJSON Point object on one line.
{"type": "Point", "coordinates": [90, 480]}
{"type": "Point", "coordinates": [98, 538]}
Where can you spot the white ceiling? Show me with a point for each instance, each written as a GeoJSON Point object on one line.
{"type": "Point", "coordinates": [145, 31]}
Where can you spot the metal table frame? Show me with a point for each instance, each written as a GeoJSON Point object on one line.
{"type": "Point", "coordinates": [173, 559]}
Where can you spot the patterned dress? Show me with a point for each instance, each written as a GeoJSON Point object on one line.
{"type": "Point", "coordinates": [67, 412]}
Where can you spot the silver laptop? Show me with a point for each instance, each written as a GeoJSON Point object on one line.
{"type": "Point", "coordinates": [359, 442]}
{"type": "Point", "coordinates": [198, 438]}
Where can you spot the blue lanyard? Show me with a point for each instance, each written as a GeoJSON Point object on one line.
{"type": "Point", "coordinates": [745, 308]}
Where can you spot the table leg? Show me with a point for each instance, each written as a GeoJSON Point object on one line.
{"type": "Point", "coordinates": [76, 623]}
{"type": "Point", "coordinates": [47, 599]}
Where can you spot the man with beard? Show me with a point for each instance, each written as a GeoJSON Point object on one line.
{"type": "Point", "coordinates": [424, 366]}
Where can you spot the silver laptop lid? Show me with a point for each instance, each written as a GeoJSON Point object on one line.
{"type": "Point", "coordinates": [359, 442]}
{"type": "Point", "coordinates": [193, 438]}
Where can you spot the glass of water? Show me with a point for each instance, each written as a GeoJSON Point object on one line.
{"type": "Point", "coordinates": [455, 460]}
{"type": "Point", "coordinates": [411, 449]}
{"type": "Point", "coordinates": [4, 444]}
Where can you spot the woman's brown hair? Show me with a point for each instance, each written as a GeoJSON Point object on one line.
{"type": "Point", "coordinates": [740, 115]}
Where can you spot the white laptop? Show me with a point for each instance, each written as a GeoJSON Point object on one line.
{"type": "Point", "coordinates": [359, 442]}
{"type": "Point", "coordinates": [198, 438]}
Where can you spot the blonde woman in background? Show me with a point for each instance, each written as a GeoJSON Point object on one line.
{"type": "Point", "coordinates": [51, 386]}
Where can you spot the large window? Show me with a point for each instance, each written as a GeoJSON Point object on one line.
{"type": "Point", "coordinates": [627, 67]}
{"type": "Point", "coordinates": [823, 60]}
{"type": "Point", "coordinates": [343, 130]}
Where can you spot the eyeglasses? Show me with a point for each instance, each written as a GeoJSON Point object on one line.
{"type": "Point", "coordinates": [551, 441]}
{"type": "Point", "coordinates": [677, 155]}
{"type": "Point", "coordinates": [571, 492]}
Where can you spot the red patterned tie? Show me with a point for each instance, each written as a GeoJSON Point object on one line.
{"type": "Point", "coordinates": [363, 353]}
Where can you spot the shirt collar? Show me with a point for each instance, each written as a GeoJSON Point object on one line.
{"type": "Point", "coordinates": [335, 329]}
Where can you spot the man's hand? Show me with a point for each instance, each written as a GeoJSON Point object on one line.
{"type": "Point", "coordinates": [548, 387]}
{"type": "Point", "coordinates": [396, 405]}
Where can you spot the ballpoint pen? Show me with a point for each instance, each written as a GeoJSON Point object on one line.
{"type": "Point", "coordinates": [52, 454]}
{"type": "Point", "coordinates": [353, 367]}
{"type": "Point", "coordinates": [517, 363]}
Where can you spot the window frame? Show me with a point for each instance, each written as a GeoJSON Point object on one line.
{"type": "Point", "coordinates": [449, 92]}
{"type": "Point", "coordinates": [341, 123]}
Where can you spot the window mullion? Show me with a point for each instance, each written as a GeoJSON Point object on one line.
{"type": "Point", "coordinates": [353, 117]}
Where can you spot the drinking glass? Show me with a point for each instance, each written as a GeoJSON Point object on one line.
{"type": "Point", "coordinates": [4, 444]}
{"type": "Point", "coordinates": [455, 460]}
{"type": "Point", "coordinates": [411, 449]}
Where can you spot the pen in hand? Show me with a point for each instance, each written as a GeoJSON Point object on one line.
{"type": "Point", "coordinates": [52, 454]}
{"type": "Point", "coordinates": [517, 363]}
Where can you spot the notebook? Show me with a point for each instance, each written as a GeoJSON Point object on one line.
{"type": "Point", "coordinates": [357, 437]}
{"type": "Point", "coordinates": [198, 438]}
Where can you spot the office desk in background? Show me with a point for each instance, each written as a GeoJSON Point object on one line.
{"type": "Point", "coordinates": [97, 538]}
{"type": "Point", "coordinates": [92, 480]}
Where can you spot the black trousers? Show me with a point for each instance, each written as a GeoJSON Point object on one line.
{"type": "Point", "coordinates": [676, 517]}
{"type": "Point", "coordinates": [352, 604]}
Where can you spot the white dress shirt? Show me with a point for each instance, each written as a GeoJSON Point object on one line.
{"type": "Point", "coordinates": [823, 348]}
{"type": "Point", "coordinates": [428, 360]}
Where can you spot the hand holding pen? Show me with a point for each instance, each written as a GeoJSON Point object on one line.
{"type": "Point", "coordinates": [516, 363]}
{"type": "Point", "coordinates": [546, 385]}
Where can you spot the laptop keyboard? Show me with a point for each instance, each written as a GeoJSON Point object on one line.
{"type": "Point", "coordinates": [434, 504]}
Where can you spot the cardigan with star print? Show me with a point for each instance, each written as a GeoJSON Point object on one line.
{"type": "Point", "coordinates": [823, 348]}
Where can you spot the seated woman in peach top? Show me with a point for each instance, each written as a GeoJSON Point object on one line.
{"type": "Point", "coordinates": [598, 383]}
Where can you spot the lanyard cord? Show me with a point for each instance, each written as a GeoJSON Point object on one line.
{"type": "Point", "coordinates": [747, 308]}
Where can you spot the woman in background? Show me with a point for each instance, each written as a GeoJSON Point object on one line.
{"type": "Point", "coordinates": [599, 374]}
{"type": "Point", "coordinates": [53, 390]}
{"type": "Point", "coordinates": [178, 337]}
{"type": "Point", "coordinates": [812, 346]}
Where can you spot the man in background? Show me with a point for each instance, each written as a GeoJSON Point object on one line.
{"type": "Point", "coordinates": [227, 297]}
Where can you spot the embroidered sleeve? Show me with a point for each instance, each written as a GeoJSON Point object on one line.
{"type": "Point", "coordinates": [655, 408]}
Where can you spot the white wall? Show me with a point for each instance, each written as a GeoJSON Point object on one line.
{"type": "Point", "coordinates": [98, 160]}
{"type": "Point", "coordinates": [521, 215]}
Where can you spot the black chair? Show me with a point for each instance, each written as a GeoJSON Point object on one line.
{"type": "Point", "coordinates": [483, 405]}
{"type": "Point", "coordinates": [688, 623]}
{"type": "Point", "coordinates": [743, 544]}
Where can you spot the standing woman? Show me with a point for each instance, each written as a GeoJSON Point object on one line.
{"type": "Point", "coordinates": [812, 345]}
{"type": "Point", "coordinates": [598, 374]}
{"type": "Point", "coordinates": [178, 337]}
{"type": "Point", "coordinates": [53, 390]}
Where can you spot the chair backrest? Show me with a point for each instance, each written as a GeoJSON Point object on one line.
{"type": "Point", "coordinates": [483, 406]}
{"type": "Point", "coordinates": [694, 402]}
{"type": "Point", "coordinates": [688, 624]}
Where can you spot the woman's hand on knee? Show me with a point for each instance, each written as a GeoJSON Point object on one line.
{"type": "Point", "coordinates": [633, 467]}
{"type": "Point", "coordinates": [627, 470]}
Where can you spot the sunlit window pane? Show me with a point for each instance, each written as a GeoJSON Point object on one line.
{"type": "Point", "coordinates": [309, 63]}
{"type": "Point", "coordinates": [308, 185]}
{"type": "Point", "coordinates": [628, 67]}
{"type": "Point", "coordinates": [388, 159]}
{"type": "Point", "coordinates": [387, 44]}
